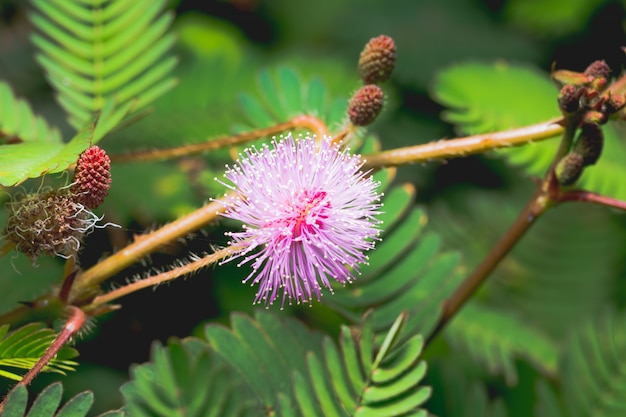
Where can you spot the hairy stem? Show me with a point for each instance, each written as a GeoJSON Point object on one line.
{"type": "Point", "coordinates": [88, 281]}
{"type": "Point", "coordinates": [460, 147]}
{"type": "Point", "coordinates": [160, 278]}
{"type": "Point", "coordinates": [72, 325]}
{"type": "Point", "coordinates": [306, 122]}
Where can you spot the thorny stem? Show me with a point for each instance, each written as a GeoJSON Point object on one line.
{"type": "Point", "coordinates": [303, 121]}
{"type": "Point", "coordinates": [459, 147]}
{"type": "Point", "coordinates": [72, 325]}
{"type": "Point", "coordinates": [142, 246]}
{"type": "Point", "coordinates": [160, 278]}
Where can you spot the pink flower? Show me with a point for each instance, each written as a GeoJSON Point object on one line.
{"type": "Point", "coordinates": [308, 214]}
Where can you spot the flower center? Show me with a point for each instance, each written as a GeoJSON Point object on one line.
{"type": "Point", "coordinates": [307, 210]}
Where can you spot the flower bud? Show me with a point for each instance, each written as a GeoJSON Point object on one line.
{"type": "Point", "coordinates": [377, 60]}
{"type": "Point", "coordinates": [598, 69]}
{"type": "Point", "coordinates": [569, 98]}
{"type": "Point", "coordinates": [594, 117]}
{"type": "Point", "coordinates": [569, 169]}
{"type": "Point", "coordinates": [365, 105]}
{"type": "Point", "coordinates": [92, 178]}
{"type": "Point", "coordinates": [613, 104]}
{"type": "Point", "coordinates": [589, 143]}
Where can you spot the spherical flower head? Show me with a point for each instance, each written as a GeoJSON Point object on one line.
{"type": "Point", "coordinates": [309, 215]}
{"type": "Point", "coordinates": [92, 178]}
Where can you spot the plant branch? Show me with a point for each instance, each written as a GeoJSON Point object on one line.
{"type": "Point", "coordinates": [460, 147]}
{"type": "Point", "coordinates": [72, 325]}
{"type": "Point", "coordinates": [537, 205]}
{"type": "Point", "coordinates": [593, 198]}
{"type": "Point", "coordinates": [160, 278]}
{"type": "Point", "coordinates": [87, 282]}
{"type": "Point", "coordinates": [303, 121]}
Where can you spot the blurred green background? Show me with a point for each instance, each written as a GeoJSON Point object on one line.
{"type": "Point", "coordinates": [222, 46]}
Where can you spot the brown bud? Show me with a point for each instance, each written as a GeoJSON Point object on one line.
{"type": "Point", "coordinates": [377, 60]}
{"type": "Point", "coordinates": [569, 169]}
{"type": "Point", "coordinates": [589, 143]}
{"type": "Point", "coordinates": [569, 98]}
{"type": "Point", "coordinates": [594, 117]}
{"type": "Point", "coordinates": [365, 105]}
{"type": "Point", "coordinates": [598, 69]}
{"type": "Point", "coordinates": [613, 104]}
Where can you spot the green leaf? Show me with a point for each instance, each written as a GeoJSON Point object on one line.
{"type": "Point", "coordinates": [47, 403]}
{"type": "Point", "coordinates": [547, 403]}
{"type": "Point", "coordinates": [465, 397]}
{"type": "Point", "coordinates": [594, 367]}
{"type": "Point", "coordinates": [21, 161]}
{"type": "Point", "coordinates": [23, 347]}
{"type": "Point", "coordinates": [19, 123]}
{"type": "Point", "coordinates": [552, 17]}
{"type": "Point", "coordinates": [484, 98]}
{"type": "Point", "coordinates": [326, 380]}
{"type": "Point", "coordinates": [93, 54]}
{"type": "Point", "coordinates": [496, 338]}
{"type": "Point", "coordinates": [183, 379]}
{"type": "Point", "coordinates": [283, 95]}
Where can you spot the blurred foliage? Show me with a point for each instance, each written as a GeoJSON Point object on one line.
{"type": "Point", "coordinates": [541, 338]}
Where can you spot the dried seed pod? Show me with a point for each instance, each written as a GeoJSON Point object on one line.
{"type": "Point", "coordinates": [50, 223]}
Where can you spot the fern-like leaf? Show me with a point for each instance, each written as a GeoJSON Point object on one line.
{"type": "Point", "coordinates": [23, 347]}
{"type": "Point", "coordinates": [496, 338]}
{"type": "Point", "coordinates": [47, 404]}
{"type": "Point", "coordinates": [183, 376]}
{"type": "Point", "coordinates": [21, 161]}
{"type": "Point", "coordinates": [459, 395]}
{"type": "Point", "coordinates": [298, 372]}
{"type": "Point", "coordinates": [517, 96]}
{"type": "Point", "coordinates": [94, 52]}
{"type": "Point", "coordinates": [284, 94]}
{"type": "Point", "coordinates": [18, 123]}
{"type": "Point", "coordinates": [594, 368]}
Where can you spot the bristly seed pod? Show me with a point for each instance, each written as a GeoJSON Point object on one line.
{"type": "Point", "coordinates": [92, 178]}
{"type": "Point", "coordinates": [365, 105]}
{"type": "Point", "coordinates": [50, 223]}
{"type": "Point", "coordinates": [569, 169]}
{"type": "Point", "coordinates": [589, 143]}
{"type": "Point", "coordinates": [377, 60]}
